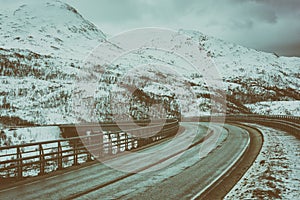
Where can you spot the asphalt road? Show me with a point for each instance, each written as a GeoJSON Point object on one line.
{"type": "Point", "coordinates": [169, 170]}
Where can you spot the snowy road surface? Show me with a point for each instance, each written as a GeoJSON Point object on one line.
{"type": "Point", "coordinates": [167, 170]}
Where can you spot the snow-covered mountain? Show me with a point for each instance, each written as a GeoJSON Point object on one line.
{"type": "Point", "coordinates": [43, 45]}
{"type": "Point", "coordinates": [48, 28]}
{"type": "Point", "coordinates": [252, 76]}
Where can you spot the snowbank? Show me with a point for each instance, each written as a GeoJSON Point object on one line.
{"type": "Point", "coordinates": [275, 173]}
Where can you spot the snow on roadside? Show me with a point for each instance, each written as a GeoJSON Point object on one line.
{"type": "Point", "coordinates": [276, 108]}
{"type": "Point", "coordinates": [18, 136]}
{"type": "Point", "coordinates": [26, 135]}
{"type": "Point", "coordinates": [275, 174]}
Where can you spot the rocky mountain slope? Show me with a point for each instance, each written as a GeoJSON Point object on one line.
{"type": "Point", "coordinates": [44, 44]}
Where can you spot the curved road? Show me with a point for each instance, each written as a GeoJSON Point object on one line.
{"type": "Point", "coordinates": [168, 170]}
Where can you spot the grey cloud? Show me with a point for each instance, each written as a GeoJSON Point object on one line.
{"type": "Point", "coordinates": [285, 49]}
{"type": "Point", "coordinates": [286, 6]}
{"type": "Point", "coordinates": [242, 24]}
{"type": "Point", "coordinates": [114, 11]}
{"type": "Point", "coordinates": [254, 23]}
{"type": "Point", "coordinates": [268, 16]}
{"type": "Point", "coordinates": [281, 7]}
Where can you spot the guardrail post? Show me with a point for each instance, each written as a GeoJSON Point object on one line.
{"type": "Point", "coordinates": [88, 145]}
{"type": "Point", "coordinates": [101, 146]}
{"type": "Point", "coordinates": [126, 142]}
{"type": "Point", "coordinates": [89, 156]}
{"type": "Point", "coordinates": [42, 160]}
{"type": "Point", "coordinates": [59, 155]}
{"type": "Point", "coordinates": [118, 142]}
{"type": "Point", "coordinates": [19, 163]}
{"type": "Point", "coordinates": [110, 145]}
{"type": "Point", "coordinates": [75, 152]}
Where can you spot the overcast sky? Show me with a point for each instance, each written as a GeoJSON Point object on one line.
{"type": "Point", "coordinates": [269, 25]}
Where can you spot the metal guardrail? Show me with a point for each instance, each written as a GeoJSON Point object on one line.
{"type": "Point", "coordinates": [42, 157]}
{"type": "Point", "coordinates": [295, 119]}
{"type": "Point", "coordinates": [282, 117]}
{"type": "Point", "coordinates": [290, 124]}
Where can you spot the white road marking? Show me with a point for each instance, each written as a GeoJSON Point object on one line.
{"type": "Point", "coordinates": [226, 170]}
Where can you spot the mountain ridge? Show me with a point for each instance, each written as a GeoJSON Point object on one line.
{"type": "Point", "coordinates": [42, 57]}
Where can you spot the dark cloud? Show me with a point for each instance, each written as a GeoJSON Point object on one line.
{"type": "Point", "coordinates": [269, 16]}
{"type": "Point", "coordinates": [282, 7]}
{"type": "Point", "coordinates": [287, 50]}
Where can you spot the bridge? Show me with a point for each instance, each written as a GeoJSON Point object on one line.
{"type": "Point", "coordinates": [196, 160]}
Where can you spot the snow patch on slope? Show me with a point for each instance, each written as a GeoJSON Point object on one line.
{"type": "Point", "coordinates": [276, 108]}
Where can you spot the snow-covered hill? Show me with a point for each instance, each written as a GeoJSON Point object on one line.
{"type": "Point", "coordinates": [276, 108]}
{"type": "Point", "coordinates": [255, 75]}
{"type": "Point", "coordinates": [48, 28]}
{"type": "Point", "coordinates": [43, 45]}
